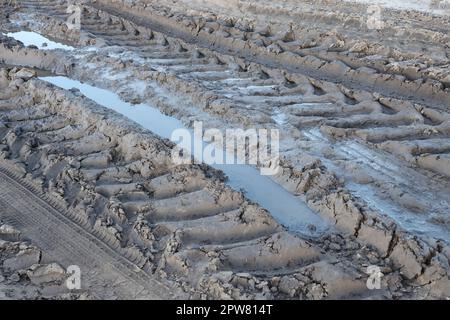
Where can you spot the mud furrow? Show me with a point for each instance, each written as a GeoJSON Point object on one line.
{"type": "Point", "coordinates": [65, 242]}
{"type": "Point", "coordinates": [139, 57]}
{"type": "Point", "coordinates": [270, 52]}
{"type": "Point", "coordinates": [143, 227]}
{"type": "Point", "coordinates": [316, 89]}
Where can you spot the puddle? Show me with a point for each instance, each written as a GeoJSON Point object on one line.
{"type": "Point", "coordinates": [401, 176]}
{"type": "Point", "coordinates": [32, 38]}
{"type": "Point", "coordinates": [311, 104]}
{"type": "Point", "coordinates": [431, 6]}
{"type": "Point", "coordinates": [280, 118]}
{"type": "Point", "coordinates": [414, 223]}
{"type": "Point", "coordinates": [287, 209]}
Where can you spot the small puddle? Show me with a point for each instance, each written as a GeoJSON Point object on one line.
{"type": "Point", "coordinates": [430, 6]}
{"type": "Point", "coordinates": [286, 208]}
{"type": "Point", "coordinates": [279, 117]}
{"type": "Point", "coordinates": [32, 38]}
{"type": "Point", "coordinates": [355, 152]}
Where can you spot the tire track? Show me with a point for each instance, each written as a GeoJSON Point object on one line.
{"type": "Point", "coordinates": [69, 244]}
{"type": "Point", "coordinates": [230, 88]}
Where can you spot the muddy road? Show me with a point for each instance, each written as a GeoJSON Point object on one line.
{"type": "Point", "coordinates": [363, 114]}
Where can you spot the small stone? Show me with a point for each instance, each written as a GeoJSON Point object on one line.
{"type": "Point", "coordinates": [275, 281]}
{"type": "Point", "coordinates": [274, 48]}
{"type": "Point", "coordinates": [335, 246]}
{"type": "Point", "coordinates": [289, 285]}
{"type": "Point", "coordinates": [23, 260]}
{"type": "Point", "coordinates": [224, 276]}
{"type": "Point", "coordinates": [25, 74]}
{"type": "Point", "coordinates": [46, 273]}
{"type": "Point", "coordinates": [262, 285]}
{"type": "Point", "coordinates": [8, 233]}
{"type": "Point", "coordinates": [244, 275]}
{"type": "Point", "coordinates": [316, 292]}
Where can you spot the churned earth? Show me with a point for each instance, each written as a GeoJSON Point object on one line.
{"type": "Point", "coordinates": [364, 145]}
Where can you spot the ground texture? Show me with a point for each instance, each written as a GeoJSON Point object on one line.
{"type": "Point", "coordinates": [364, 124]}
